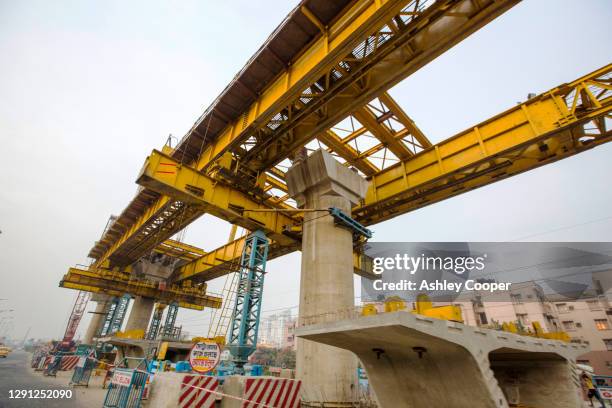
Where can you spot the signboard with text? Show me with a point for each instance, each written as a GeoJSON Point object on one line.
{"type": "Point", "coordinates": [204, 357]}
{"type": "Point", "coordinates": [605, 392]}
{"type": "Point", "coordinates": [122, 378]}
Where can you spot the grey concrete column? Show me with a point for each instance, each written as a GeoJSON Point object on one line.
{"type": "Point", "coordinates": [102, 303]}
{"type": "Point", "coordinates": [140, 314]}
{"type": "Point", "coordinates": [329, 374]}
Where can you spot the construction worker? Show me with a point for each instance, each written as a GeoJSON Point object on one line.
{"type": "Point", "coordinates": [587, 383]}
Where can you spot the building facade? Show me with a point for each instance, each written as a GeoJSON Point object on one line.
{"type": "Point", "coordinates": [588, 320]}
{"type": "Point", "coordinates": [278, 330]}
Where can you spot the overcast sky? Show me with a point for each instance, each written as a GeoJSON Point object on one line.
{"type": "Point", "coordinates": [88, 89]}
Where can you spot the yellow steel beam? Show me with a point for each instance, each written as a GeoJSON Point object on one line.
{"type": "Point", "coordinates": [541, 130]}
{"type": "Point", "coordinates": [159, 221]}
{"type": "Point", "coordinates": [347, 152]}
{"type": "Point", "coordinates": [392, 50]}
{"type": "Point", "coordinates": [544, 129]}
{"type": "Point", "coordinates": [163, 174]}
{"type": "Point", "coordinates": [367, 118]}
{"type": "Point", "coordinates": [372, 46]}
{"type": "Point", "coordinates": [176, 249]}
{"type": "Point", "coordinates": [118, 283]}
{"type": "Point", "coordinates": [226, 259]}
{"type": "Point", "coordinates": [405, 120]}
{"type": "Point", "coordinates": [324, 53]}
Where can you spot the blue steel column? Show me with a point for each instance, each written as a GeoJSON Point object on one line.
{"type": "Point", "coordinates": [247, 309]}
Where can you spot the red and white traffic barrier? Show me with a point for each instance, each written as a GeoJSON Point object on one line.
{"type": "Point", "coordinates": [272, 392]}
{"type": "Point", "coordinates": [184, 390]}
{"type": "Point", "coordinates": [261, 392]}
{"type": "Point", "coordinates": [197, 391]}
{"type": "Point", "coordinates": [69, 362]}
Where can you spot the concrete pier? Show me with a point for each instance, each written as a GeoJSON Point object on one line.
{"type": "Point", "coordinates": [414, 361]}
{"type": "Point", "coordinates": [328, 374]}
{"type": "Point", "coordinates": [140, 315]}
{"type": "Point", "coordinates": [102, 303]}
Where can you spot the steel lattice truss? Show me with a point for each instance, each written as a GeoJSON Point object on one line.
{"type": "Point", "coordinates": [321, 81]}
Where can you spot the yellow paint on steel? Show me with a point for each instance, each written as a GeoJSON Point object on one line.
{"type": "Point", "coordinates": [539, 131]}
{"type": "Point", "coordinates": [118, 283]}
{"type": "Point", "coordinates": [506, 144]}
{"type": "Point", "coordinates": [436, 29]}
{"type": "Point", "coordinates": [163, 174]}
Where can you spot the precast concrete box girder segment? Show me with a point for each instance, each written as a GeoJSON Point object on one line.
{"type": "Point", "coordinates": [417, 362]}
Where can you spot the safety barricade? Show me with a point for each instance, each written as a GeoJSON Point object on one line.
{"type": "Point", "coordinates": [257, 392]}
{"type": "Point", "coordinates": [53, 366]}
{"type": "Point", "coordinates": [197, 391]}
{"type": "Point", "coordinates": [126, 387]}
{"type": "Point", "coordinates": [82, 371]}
{"type": "Point", "coordinates": [69, 362]}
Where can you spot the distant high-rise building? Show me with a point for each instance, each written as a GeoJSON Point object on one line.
{"type": "Point", "coordinates": [277, 330]}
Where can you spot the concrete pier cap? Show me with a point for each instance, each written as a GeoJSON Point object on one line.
{"type": "Point", "coordinates": [320, 175]}
{"type": "Point", "coordinates": [328, 374]}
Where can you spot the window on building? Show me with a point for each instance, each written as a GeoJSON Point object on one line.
{"type": "Point", "coordinates": [570, 308]}
{"type": "Point", "coordinates": [608, 343]}
{"type": "Point", "coordinates": [517, 299]}
{"type": "Point", "coordinates": [585, 362]}
{"type": "Point", "coordinates": [569, 325]}
{"type": "Point", "coordinates": [609, 365]}
{"type": "Point", "coordinates": [602, 324]}
{"type": "Point", "coordinates": [578, 324]}
{"type": "Point", "coordinates": [483, 318]}
{"type": "Point", "coordinates": [523, 319]}
{"type": "Point", "coordinates": [594, 304]}
{"type": "Point", "coordinates": [562, 307]}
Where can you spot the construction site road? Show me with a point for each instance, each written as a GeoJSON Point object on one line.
{"type": "Point", "coordinates": [18, 379]}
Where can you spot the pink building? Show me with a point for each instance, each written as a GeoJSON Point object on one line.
{"type": "Point", "coordinates": [587, 320]}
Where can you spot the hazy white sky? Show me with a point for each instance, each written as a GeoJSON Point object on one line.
{"type": "Point", "coordinates": [87, 89]}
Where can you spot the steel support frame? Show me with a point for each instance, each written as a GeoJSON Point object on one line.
{"type": "Point", "coordinates": [247, 308]}
{"type": "Point", "coordinates": [559, 123]}
{"type": "Point", "coordinates": [118, 283]}
{"type": "Point", "coordinates": [401, 25]}
{"type": "Point", "coordinates": [164, 175]}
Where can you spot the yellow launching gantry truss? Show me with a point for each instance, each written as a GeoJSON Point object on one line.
{"type": "Point", "coordinates": [321, 81]}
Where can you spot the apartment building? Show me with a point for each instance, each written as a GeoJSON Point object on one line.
{"type": "Point", "coordinates": [277, 330]}
{"type": "Point", "coordinates": [588, 320]}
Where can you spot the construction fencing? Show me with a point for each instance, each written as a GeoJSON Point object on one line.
{"type": "Point", "coordinates": [83, 370]}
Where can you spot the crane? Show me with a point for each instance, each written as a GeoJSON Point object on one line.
{"type": "Point", "coordinates": [78, 310]}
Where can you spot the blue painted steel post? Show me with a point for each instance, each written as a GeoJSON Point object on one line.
{"type": "Point", "coordinates": [170, 319]}
{"type": "Point", "coordinates": [247, 309]}
{"type": "Point", "coordinates": [120, 313]}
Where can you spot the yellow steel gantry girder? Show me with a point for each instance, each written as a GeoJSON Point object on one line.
{"type": "Point", "coordinates": [118, 283]}
{"type": "Point", "coordinates": [402, 40]}
{"type": "Point", "coordinates": [163, 174]}
{"type": "Point", "coordinates": [562, 122]}
{"type": "Point", "coordinates": [369, 46]}
{"type": "Point", "coordinates": [544, 129]}
{"type": "Point", "coordinates": [179, 250]}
